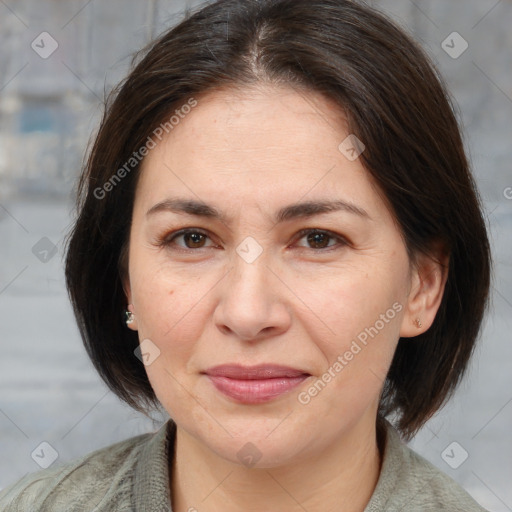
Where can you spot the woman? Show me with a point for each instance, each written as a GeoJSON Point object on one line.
{"type": "Point", "coordinates": [280, 242]}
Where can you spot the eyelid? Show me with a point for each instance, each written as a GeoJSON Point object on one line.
{"type": "Point", "coordinates": [340, 238]}
{"type": "Point", "coordinates": [170, 237]}
{"type": "Point", "coordinates": [167, 239]}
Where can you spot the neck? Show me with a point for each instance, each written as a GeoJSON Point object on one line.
{"type": "Point", "coordinates": [341, 479]}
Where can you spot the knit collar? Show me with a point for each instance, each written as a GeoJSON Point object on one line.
{"type": "Point", "coordinates": [152, 478]}
{"type": "Point", "coordinates": [151, 487]}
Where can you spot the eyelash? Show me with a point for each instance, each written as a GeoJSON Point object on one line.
{"type": "Point", "coordinates": [168, 240]}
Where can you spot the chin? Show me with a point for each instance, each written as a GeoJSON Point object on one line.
{"type": "Point", "coordinates": [255, 443]}
{"type": "Point", "coordinates": [260, 453]}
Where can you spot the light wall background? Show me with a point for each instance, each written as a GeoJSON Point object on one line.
{"type": "Point", "coordinates": [50, 107]}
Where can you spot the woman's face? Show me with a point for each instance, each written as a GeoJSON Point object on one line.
{"type": "Point", "coordinates": [252, 287]}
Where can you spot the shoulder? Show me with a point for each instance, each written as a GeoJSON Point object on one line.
{"type": "Point", "coordinates": [410, 482]}
{"type": "Point", "coordinates": [435, 487]}
{"type": "Point", "coordinates": [105, 474]}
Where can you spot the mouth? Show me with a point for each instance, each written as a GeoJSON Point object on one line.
{"type": "Point", "coordinates": [255, 384]}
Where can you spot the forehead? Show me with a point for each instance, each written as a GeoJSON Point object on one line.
{"type": "Point", "coordinates": [264, 117]}
{"type": "Point", "coordinates": [274, 120]}
{"type": "Point", "coordinates": [261, 145]}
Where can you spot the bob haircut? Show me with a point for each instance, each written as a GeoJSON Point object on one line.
{"type": "Point", "coordinates": [395, 102]}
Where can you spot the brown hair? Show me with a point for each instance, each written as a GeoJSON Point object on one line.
{"type": "Point", "coordinates": [395, 103]}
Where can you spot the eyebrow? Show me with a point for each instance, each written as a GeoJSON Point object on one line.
{"type": "Point", "coordinates": [293, 211]}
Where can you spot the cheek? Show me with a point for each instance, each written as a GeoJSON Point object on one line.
{"type": "Point", "coordinates": [170, 308]}
{"type": "Point", "coordinates": [159, 295]}
{"type": "Point", "coordinates": [170, 313]}
{"type": "Point", "coordinates": [356, 327]}
{"type": "Point", "coordinates": [348, 300]}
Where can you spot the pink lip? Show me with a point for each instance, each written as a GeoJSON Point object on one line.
{"type": "Point", "coordinates": [255, 384]}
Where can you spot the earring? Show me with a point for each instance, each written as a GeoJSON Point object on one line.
{"type": "Point", "coordinates": [130, 317]}
{"type": "Point", "coordinates": [418, 323]}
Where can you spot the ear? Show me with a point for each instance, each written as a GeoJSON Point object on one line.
{"type": "Point", "coordinates": [128, 293]}
{"type": "Point", "coordinates": [429, 274]}
{"type": "Point", "coordinates": [125, 281]}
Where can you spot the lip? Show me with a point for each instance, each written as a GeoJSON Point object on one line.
{"type": "Point", "coordinates": [255, 384]}
{"type": "Point", "coordinates": [260, 371]}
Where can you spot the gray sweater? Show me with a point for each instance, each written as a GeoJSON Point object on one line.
{"type": "Point", "coordinates": [133, 476]}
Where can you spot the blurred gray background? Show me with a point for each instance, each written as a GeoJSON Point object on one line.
{"type": "Point", "coordinates": [57, 58]}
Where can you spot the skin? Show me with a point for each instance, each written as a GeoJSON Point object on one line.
{"type": "Point", "coordinates": [249, 153]}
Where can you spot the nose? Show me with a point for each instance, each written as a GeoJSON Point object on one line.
{"type": "Point", "coordinates": [252, 304]}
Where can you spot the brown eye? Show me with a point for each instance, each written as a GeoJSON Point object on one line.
{"type": "Point", "coordinates": [320, 239]}
{"type": "Point", "coordinates": [316, 239]}
{"type": "Point", "coordinates": [188, 239]}
{"type": "Point", "coordinates": [194, 239]}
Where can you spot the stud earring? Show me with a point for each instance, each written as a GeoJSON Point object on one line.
{"type": "Point", "coordinates": [418, 323]}
{"type": "Point", "coordinates": [130, 317]}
